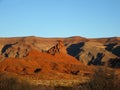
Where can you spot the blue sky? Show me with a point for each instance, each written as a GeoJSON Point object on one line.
{"type": "Point", "coordinates": [60, 18]}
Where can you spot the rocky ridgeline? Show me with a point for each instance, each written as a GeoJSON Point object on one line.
{"type": "Point", "coordinates": [21, 49]}
{"type": "Point", "coordinates": [89, 51]}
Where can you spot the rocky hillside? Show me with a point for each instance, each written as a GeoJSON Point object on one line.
{"type": "Point", "coordinates": [23, 58]}
{"type": "Point", "coordinates": [89, 51]}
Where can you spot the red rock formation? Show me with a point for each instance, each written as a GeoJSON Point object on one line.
{"type": "Point", "coordinates": [59, 48]}
{"type": "Point", "coordinates": [44, 64]}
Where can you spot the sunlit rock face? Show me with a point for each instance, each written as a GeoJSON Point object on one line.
{"type": "Point", "coordinates": [59, 48]}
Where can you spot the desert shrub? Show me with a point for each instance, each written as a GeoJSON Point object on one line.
{"type": "Point", "coordinates": [103, 79]}
{"type": "Point", "coordinates": [37, 70]}
{"type": "Point", "coordinates": [12, 83]}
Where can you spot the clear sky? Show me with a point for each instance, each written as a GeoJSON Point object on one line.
{"type": "Point", "coordinates": [60, 18]}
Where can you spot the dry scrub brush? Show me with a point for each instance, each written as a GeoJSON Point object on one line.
{"type": "Point", "coordinates": [103, 79]}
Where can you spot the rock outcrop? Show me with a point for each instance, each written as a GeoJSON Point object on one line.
{"type": "Point", "coordinates": [59, 48]}
{"type": "Point", "coordinates": [16, 50]}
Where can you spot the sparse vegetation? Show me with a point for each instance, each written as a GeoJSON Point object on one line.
{"type": "Point", "coordinates": [12, 83]}
{"type": "Point", "coordinates": [103, 79]}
